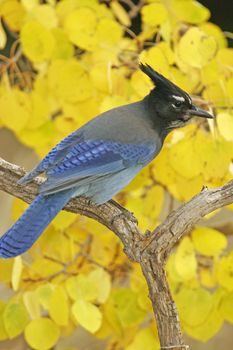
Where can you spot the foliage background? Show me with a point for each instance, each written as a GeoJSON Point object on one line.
{"type": "Point", "coordinates": [65, 62]}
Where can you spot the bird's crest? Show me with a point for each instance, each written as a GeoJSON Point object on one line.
{"type": "Point", "coordinates": [164, 85]}
{"type": "Point", "coordinates": [152, 74]}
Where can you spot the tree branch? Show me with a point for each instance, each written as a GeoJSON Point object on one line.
{"type": "Point", "coordinates": [149, 250]}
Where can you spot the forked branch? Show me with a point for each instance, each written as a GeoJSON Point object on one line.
{"type": "Point", "coordinates": [150, 250]}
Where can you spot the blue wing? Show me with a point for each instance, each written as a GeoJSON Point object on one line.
{"type": "Point", "coordinates": [88, 160]}
{"type": "Point", "coordinates": [56, 155]}
{"type": "Point", "coordinates": [105, 167]}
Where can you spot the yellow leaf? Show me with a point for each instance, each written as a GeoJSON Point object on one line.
{"type": "Point", "coordinates": [196, 48]}
{"type": "Point", "coordinates": [120, 13]}
{"type": "Point", "coordinates": [148, 32]}
{"type": "Point", "coordinates": [153, 200]}
{"type": "Point", "coordinates": [103, 250]}
{"type": "Point", "coordinates": [6, 266]}
{"type": "Point", "coordinates": [68, 330]}
{"type": "Point", "coordinates": [144, 339]}
{"type": "Point", "coordinates": [126, 307]}
{"type": "Point", "coordinates": [141, 180]}
{"type": "Point", "coordinates": [212, 323]}
{"type": "Point", "coordinates": [15, 109]}
{"type": "Point", "coordinates": [156, 58]}
{"type": "Point", "coordinates": [63, 220]}
{"type": "Point", "coordinates": [44, 268]}
{"type": "Point", "coordinates": [39, 137]}
{"type": "Point", "coordinates": [63, 49]}
{"type": "Point", "coordinates": [15, 318]}
{"type": "Point", "coordinates": [216, 93]}
{"type": "Point", "coordinates": [143, 300]}
{"type": "Point", "coordinates": [229, 88]}
{"type": "Point", "coordinates": [3, 333]}
{"type": "Point", "coordinates": [87, 315]}
{"type": "Point", "coordinates": [44, 293]}
{"type": "Point", "coordinates": [154, 14]}
{"type": "Point", "coordinates": [225, 57]}
{"type": "Point", "coordinates": [80, 26]}
{"type": "Point", "coordinates": [29, 4]}
{"type": "Point", "coordinates": [225, 125]}
{"type": "Point", "coordinates": [3, 37]}
{"type": "Point", "coordinates": [40, 111]}
{"type": "Point", "coordinates": [185, 81]}
{"type": "Point", "coordinates": [185, 259]}
{"type": "Point", "coordinates": [81, 287]}
{"type": "Point", "coordinates": [13, 13]}
{"type": "Point", "coordinates": [69, 81]}
{"type": "Point", "coordinates": [224, 271]}
{"type": "Point", "coordinates": [42, 334]}
{"type": "Point", "coordinates": [137, 280]}
{"type": "Point", "coordinates": [87, 109]}
{"type": "Point", "coordinates": [208, 241]}
{"type": "Point", "coordinates": [190, 11]}
{"type": "Point", "coordinates": [104, 331]}
{"type": "Point", "coordinates": [103, 39]}
{"type": "Point", "coordinates": [135, 203]}
{"type": "Point", "coordinates": [56, 245]}
{"type": "Point", "coordinates": [108, 80]}
{"type": "Point", "coordinates": [102, 282]}
{"type": "Point", "coordinates": [226, 307]}
{"type": "Point", "coordinates": [111, 317]}
{"type": "Point", "coordinates": [16, 272]}
{"type": "Point", "coordinates": [37, 41]}
{"type": "Point", "coordinates": [207, 277]}
{"type": "Point", "coordinates": [167, 51]}
{"type": "Point", "coordinates": [63, 8]}
{"type": "Point", "coordinates": [194, 305]}
{"type": "Point", "coordinates": [162, 171]}
{"type": "Point", "coordinates": [59, 307]}
{"type": "Point", "coordinates": [110, 102]}
{"type": "Point", "coordinates": [173, 275]}
{"type": "Point", "coordinates": [212, 29]}
{"type": "Point", "coordinates": [179, 158]}
{"type": "Point", "coordinates": [214, 156]}
{"type": "Point", "coordinates": [65, 125]}
{"type": "Point", "coordinates": [44, 14]}
{"type": "Point", "coordinates": [31, 301]}
{"type": "Point", "coordinates": [210, 72]}
{"type": "Point", "coordinates": [101, 76]}
{"type": "Point", "coordinates": [141, 83]}
{"type": "Point", "coordinates": [183, 188]}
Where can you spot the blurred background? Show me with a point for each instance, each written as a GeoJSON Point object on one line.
{"type": "Point", "coordinates": [59, 68]}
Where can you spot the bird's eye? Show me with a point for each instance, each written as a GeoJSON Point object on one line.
{"type": "Point", "coordinates": [178, 104]}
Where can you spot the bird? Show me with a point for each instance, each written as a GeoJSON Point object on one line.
{"type": "Point", "coordinates": [100, 158]}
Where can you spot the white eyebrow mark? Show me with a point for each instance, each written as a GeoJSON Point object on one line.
{"type": "Point", "coordinates": [178, 98]}
{"type": "Point", "coordinates": [190, 100]}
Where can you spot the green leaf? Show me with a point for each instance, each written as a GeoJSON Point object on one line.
{"type": "Point", "coordinates": [15, 319]}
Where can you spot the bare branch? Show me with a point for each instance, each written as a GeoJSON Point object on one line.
{"type": "Point", "coordinates": [149, 250]}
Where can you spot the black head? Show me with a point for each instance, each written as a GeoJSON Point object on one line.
{"type": "Point", "coordinates": [171, 104]}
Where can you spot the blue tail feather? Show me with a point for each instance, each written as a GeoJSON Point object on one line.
{"type": "Point", "coordinates": [21, 236]}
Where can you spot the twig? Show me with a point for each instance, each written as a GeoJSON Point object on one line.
{"type": "Point", "coordinates": [149, 250]}
{"type": "Point", "coordinates": [134, 9]}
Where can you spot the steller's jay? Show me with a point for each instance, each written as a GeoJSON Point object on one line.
{"type": "Point", "coordinates": [101, 158]}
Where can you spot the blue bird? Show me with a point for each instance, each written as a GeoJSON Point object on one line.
{"type": "Point", "coordinates": [101, 158]}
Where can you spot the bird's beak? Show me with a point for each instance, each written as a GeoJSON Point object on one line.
{"type": "Point", "coordinates": [196, 111]}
